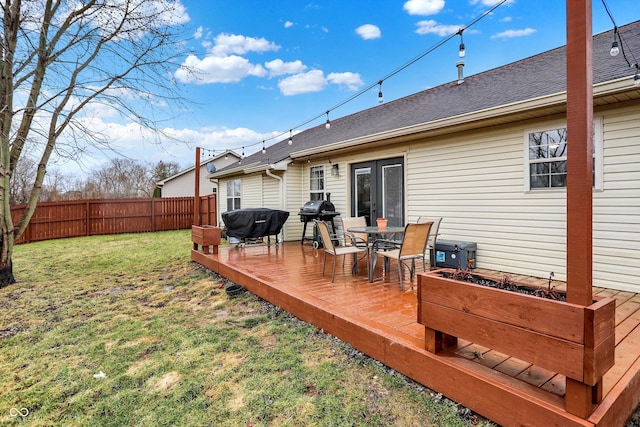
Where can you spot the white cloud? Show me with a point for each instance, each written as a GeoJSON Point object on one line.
{"type": "Point", "coordinates": [278, 67]}
{"type": "Point", "coordinates": [198, 33]}
{"type": "Point", "coordinates": [238, 44]}
{"type": "Point", "coordinates": [351, 80]}
{"type": "Point", "coordinates": [368, 31]}
{"type": "Point", "coordinates": [288, 24]}
{"type": "Point", "coordinates": [506, 19]}
{"type": "Point", "coordinates": [513, 33]}
{"type": "Point", "coordinates": [223, 63]}
{"type": "Point", "coordinates": [311, 81]}
{"type": "Point", "coordinates": [432, 27]}
{"type": "Point", "coordinates": [423, 7]}
{"type": "Point", "coordinates": [213, 69]}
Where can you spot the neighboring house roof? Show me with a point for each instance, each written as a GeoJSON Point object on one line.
{"type": "Point", "coordinates": [531, 87]}
{"type": "Point", "coordinates": [192, 168]}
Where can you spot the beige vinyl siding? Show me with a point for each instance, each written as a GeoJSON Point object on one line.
{"type": "Point", "coordinates": [271, 194]}
{"type": "Point", "coordinates": [616, 210]}
{"type": "Point", "coordinates": [293, 200]}
{"type": "Point", "coordinates": [252, 191]}
{"type": "Point", "coordinates": [476, 183]}
{"type": "Point", "coordinates": [183, 185]}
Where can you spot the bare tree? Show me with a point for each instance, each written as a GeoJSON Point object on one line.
{"type": "Point", "coordinates": [162, 170]}
{"type": "Point", "coordinates": [22, 181]}
{"type": "Point", "coordinates": [59, 59]}
{"type": "Point", "coordinates": [120, 179]}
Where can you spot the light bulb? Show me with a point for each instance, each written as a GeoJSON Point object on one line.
{"type": "Point", "coordinates": [328, 125]}
{"type": "Point", "coordinates": [290, 141]}
{"type": "Point", "coordinates": [290, 136]}
{"type": "Point", "coordinates": [615, 50]}
{"type": "Point", "coordinates": [380, 98]}
{"type": "Point", "coordinates": [462, 51]}
{"type": "Point", "coordinates": [264, 150]}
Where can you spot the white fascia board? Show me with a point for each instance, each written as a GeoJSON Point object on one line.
{"type": "Point", "coordinates": [600, 89]}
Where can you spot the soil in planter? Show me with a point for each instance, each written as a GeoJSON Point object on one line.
{"type": "Point", "coordinates": [505, 284]}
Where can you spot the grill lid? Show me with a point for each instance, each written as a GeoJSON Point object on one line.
{"type": "Point", "coordinates": [316, 207]}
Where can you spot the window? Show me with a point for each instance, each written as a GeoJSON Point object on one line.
{"type": "Point", "coordinates": [316, 183]}
{"type": "Point", "coordinates": [233, 194]}
{"type": "Point", "coordinates": [546, 157]}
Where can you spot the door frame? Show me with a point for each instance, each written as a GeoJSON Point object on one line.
{"type": "Point", "coordinates": [376, 167]}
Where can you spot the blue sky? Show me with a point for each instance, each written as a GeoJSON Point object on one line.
{"type": "Point", "coordinates": [267, 66]}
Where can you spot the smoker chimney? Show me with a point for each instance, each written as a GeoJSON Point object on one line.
{"type": "Point", "coordinates": [460, 65]}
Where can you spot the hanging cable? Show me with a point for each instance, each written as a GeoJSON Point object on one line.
{"type": "Point", "coordinates": [616, 49]}
{"type": "Point", "coordinates": [389, 75]}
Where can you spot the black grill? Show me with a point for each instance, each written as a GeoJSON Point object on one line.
{"type": "Point", "coordinates": [322, 210]}
{"type": "Point", "coordinates": [252, 223]}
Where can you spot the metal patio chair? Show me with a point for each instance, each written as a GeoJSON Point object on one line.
{"type": "Point", "coordinates": [412, 247]}
{"type": "Point", "coordinates": [431, 240]}
{"type": "Point", "coordinates": [329, 246]}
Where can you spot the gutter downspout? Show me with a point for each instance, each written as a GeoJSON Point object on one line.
{"type": "Point", "coordinates": [268, 172]}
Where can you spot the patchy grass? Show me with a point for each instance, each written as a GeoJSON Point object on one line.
{"type": "Point", "coordinates": [125, 330]}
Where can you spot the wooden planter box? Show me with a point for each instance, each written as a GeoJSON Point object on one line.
{"type": "Point", "coordinates": [207, 236]}
{"type": "Point", "coordinates": [575, 341]}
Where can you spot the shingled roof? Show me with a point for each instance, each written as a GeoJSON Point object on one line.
{"type": "Point", "coordinates": [531, 78]}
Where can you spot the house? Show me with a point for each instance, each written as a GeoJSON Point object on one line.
{"type": "Point", "coordinates": [487, 153]}
{"type": "Point", "coordinates": [182, 183]}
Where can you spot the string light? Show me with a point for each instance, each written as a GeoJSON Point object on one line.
{"type": "Point", "coordinates": [264, 150]}
{"type": "Point", "coordinates": [462, 52]}
{"type": "Point", "coordinates": [615, 50]}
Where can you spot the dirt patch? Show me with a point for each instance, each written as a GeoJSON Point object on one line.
{"type": "Point", "coordinates": [167, 381]}
{"type": "Point", "coordinates": [6, 333]}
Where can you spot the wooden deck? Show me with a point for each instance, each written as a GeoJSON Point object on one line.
{"type": "Point", "coordinates": [381, 321]}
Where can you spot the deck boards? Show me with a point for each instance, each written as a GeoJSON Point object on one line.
{"type": "Point", "coordinates": [381, 320]}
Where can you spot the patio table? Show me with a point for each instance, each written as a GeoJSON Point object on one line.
{"type": "Point", "coordinates": [373, 233]}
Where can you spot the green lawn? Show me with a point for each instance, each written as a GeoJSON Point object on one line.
{"type": "Point", "coordinates": [175, 350]}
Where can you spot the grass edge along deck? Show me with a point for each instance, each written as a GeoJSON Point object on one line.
{"type": "Point", "coordinates": [499, 397]}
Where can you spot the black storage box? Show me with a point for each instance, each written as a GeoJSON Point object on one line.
{"type": "Point", "coordinates": [453, 254]}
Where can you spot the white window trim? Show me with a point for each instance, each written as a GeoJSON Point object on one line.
{"type": "Point", "coordinates": [598, 159]}
{"type": "Point", "coordinates": [234, 196]}
{"type": "Point", "coordinates": [324, 179]}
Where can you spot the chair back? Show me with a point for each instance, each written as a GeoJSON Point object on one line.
{"type": "Point", "coordinates": [323, 229]}
{"type": "Point", "coordinates": [354, 221]}
{"type": "Point", "coordinates": [433, 233]}
{"type": "Point", "coordinates": [414, 241]}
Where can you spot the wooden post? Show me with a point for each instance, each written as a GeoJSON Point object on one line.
{"type": "Point", "coordinates": [579, 396]}
{"type": "Point", "coordinates": [196, 192]}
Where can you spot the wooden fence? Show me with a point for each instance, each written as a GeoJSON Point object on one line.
{"type": "Point", "coordinates": [57, 220]}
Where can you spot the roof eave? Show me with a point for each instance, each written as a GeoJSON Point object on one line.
{"type": "Point", "coordinates": [469, 120]}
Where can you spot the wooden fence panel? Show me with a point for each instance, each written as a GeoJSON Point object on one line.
{"type": "Point", "coordinates": [56, 220]}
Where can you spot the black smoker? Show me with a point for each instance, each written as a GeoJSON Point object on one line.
{"type": "Point", "coordinates": [322, 210]}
